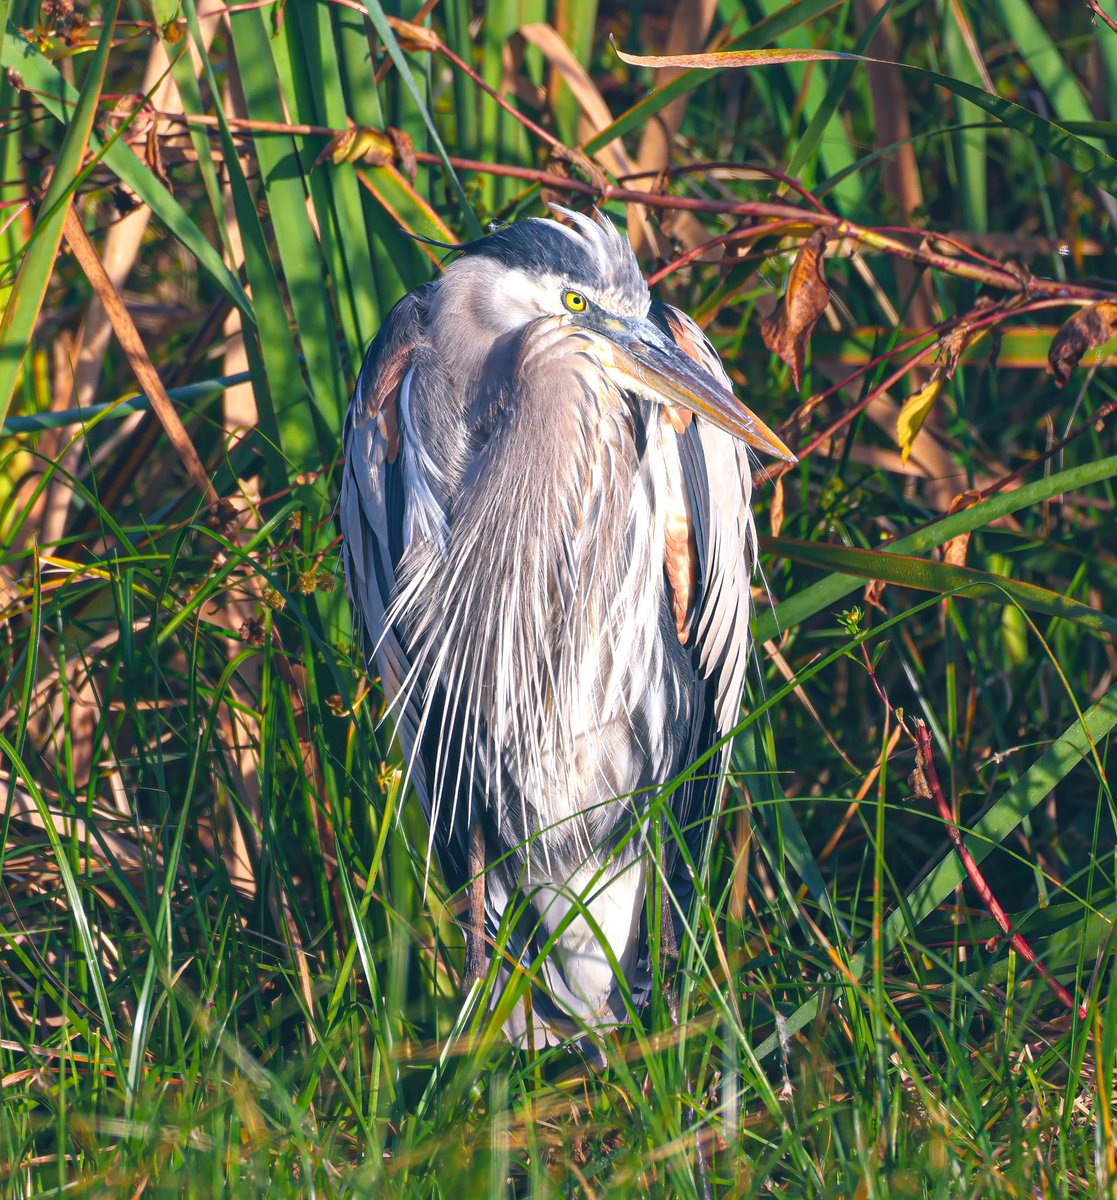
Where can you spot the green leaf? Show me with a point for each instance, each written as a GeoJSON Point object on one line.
{"type": "Point", "coordinates": [73, 898]}
{"type": "Point", "coordinates": [384, 31]}
{"type": "Point", "coordinates": [814, 599]}
{"type": "Point", "coordinates": [1078, 154]}
{"type": "Point", "coordinates": [298, 247]}
{"type": "Point", "coordinates": [930, 576]}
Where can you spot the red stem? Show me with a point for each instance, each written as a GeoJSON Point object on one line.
{"type": "Point", "coordinates": [926, 760]}
{"type": "Point", "coordinates": [1097, 9]}
{"type": "Point", "coordinates": [998, 276]}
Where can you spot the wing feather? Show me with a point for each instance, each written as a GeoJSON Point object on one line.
{"type": "Point", "coordinates": [395, 504]}
{"type": "Point", "coordinates": [717, 483]}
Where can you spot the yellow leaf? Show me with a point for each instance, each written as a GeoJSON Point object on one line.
{"type": "Point", "coordinates": [720, 59]}
{"type": "Point", "coordinates": [914, 413]}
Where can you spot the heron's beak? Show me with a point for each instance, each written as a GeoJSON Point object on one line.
{"type": "Point", "coordinates": [655, 366]}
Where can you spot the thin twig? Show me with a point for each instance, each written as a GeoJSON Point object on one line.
{"type": "Point", "coordinates": [1005, 278]}
{"type": "Point", "coordinates": [132, 344]}
{"type": "Point", "coordinates": [1096, 8]}
{"type": "Point", "coordinates": [926, 763]}
{"type": "Point", "coordinates": [991, 316]}
{"type": "Point", "coordinates": [1104, 412]}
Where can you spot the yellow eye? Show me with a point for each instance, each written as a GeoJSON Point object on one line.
{"type": "Point", "coordinates": [575, 301]}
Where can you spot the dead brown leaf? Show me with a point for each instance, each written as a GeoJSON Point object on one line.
{"type": "Point", "coordinates": [562, 158]}
{"type": "Point", "coordinates": [414, 38]}
{"type": "Point", "coordinates": [361, 143]}
{"type": "Point", "coordinates": [954, 344]}
{"type": "Point", "coordinates": [153, 156]}
{"type": "Point", "coordinates": [405, 152]}
{"type": "Point", "coordinates": [957, 548]}
{"type": "Point", "coordinates": [776, 514]}
{"type": "Point", "coordinates": [1089, 328]}
{"type": "Point", "coordinates": [874, 593]}
{"type": "Point", "coordinates": [789, 328]}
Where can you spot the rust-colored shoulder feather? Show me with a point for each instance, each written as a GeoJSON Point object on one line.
{"type": "Point", "coordinates": [384, 401]}
{"type": "Point", "coordinates": [680, 548]}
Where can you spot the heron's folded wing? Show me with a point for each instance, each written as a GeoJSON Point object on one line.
{"type": "Point", "coordinates": [373, 500]}
{"type": "Point", "coordinates": [393, 500]}
{"type": "Point", "coordinates": [717, 487]}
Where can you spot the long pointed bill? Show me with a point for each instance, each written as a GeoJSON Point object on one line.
{"type": "Point", "coordinates": [656, 367]}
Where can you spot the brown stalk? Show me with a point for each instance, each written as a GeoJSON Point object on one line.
{"type": "Point", "coordinates": [925, 763]}
{"type": "Point", "coordinates": [132, 344]}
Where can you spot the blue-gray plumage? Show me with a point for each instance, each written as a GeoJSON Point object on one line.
{"type": "Point", "coordinates": [550, 560]}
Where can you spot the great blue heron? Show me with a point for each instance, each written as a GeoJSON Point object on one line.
{"type": "Point", "coordinates": [550, 560]}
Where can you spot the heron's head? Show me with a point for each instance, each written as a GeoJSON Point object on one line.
{"type": "Point", "coordinates": [586, 276]}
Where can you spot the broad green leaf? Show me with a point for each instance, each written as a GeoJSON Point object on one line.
{"type": "Point", "coordinates": [930, 576]}
{"type": "Point", "coordinates": [814, 599]}
{"type": "Point", "coordinates": [1100, 168]}
{"type": "Point", "coordinates": [1052, 71]}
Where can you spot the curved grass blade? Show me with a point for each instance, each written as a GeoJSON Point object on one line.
{"type": "Point", "coordinates": [788, 18]}
{"type": "Point", "coordinates": [1054, 138]}
{"type": "Point", "coordinates": [73, 895]}
{"type": "Point", "coordinates": [723, 59]}
{"type": "Point", "coordinates": [384, 31]}
{"type": "Point", "coordinates": [1077, 743]}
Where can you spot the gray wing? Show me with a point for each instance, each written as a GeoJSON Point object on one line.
{"type": "Point", "coordinates": [395, 503]}
{"type": "Point", "coordinates": [717, 482]}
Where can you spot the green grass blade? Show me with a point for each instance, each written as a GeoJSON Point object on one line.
{"type": "Point", "coordinates": [761, 35]}
{"type": "Point", "coordinates": [74, 896]}
{"type": "Point", "coordinates": [298, 247]}
{"type": "Point", "coordinates": [1079, 742]}
{"type": "Point", "coordinates": [1076, 152]}
{"type": "Point", "coordinates": [384, 32]}
{"type": "Point", "coordinates": [971, 144]}
{"type": "Point", "coordinates": [58, 97]}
